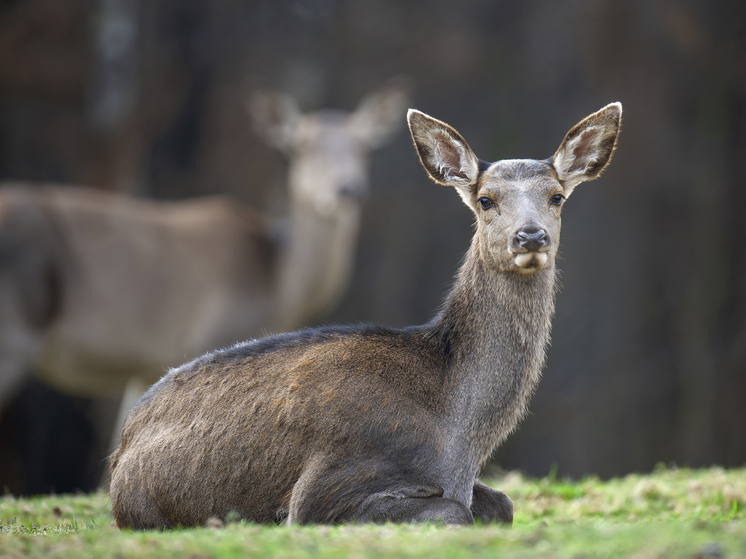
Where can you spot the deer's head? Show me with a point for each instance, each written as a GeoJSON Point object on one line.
{"type": "Point", "coordinates": [328, 150]}
{"type": "Point", "coordinates": [517, 202]}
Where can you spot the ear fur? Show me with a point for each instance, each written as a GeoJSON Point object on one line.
{"type": "Point", "coordinates": [275, 117]}
{"type": "Point", "coordinates": [444, 153]}
{"type": "Point", "coordinates": [588, 147]}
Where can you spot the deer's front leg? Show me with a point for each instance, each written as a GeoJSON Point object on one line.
{"type": "Point", "coordinates": [409, 504]}
{"type": "Point", "coordinates": [328, 492]}
{"type": "Point", "coordinates": [490, 505]}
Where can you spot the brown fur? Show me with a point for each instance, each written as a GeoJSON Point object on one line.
{"type": "Point", "coordinates": [365, 423]}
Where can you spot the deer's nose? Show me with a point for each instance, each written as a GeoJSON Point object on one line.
{"type": "Point", "coordinates": [531, 238]}
{"type": "Point", "coordinates": [354, 190]}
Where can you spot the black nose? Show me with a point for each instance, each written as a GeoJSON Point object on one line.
{"type": "Point", "coordinates": [531, 238]}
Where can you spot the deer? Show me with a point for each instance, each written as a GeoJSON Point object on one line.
{"type": "Point", "coordinates": [102, 292]}
{"type": "Point", "coordinates": [365, 423]}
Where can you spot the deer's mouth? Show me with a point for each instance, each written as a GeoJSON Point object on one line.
{"type": "Point", "coordinates": [531, 261]}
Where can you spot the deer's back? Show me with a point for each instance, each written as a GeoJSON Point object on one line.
{"type": "Point", "coordinates": [242, 422]}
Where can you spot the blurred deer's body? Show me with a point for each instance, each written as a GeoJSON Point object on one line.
{"type": "Point", "coordinates": [126, 286]}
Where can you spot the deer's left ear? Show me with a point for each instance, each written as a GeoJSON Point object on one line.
{"type": "Point", "coordinates": [588, 147]}
{"type": "Point", "coordinates": [275, 117]}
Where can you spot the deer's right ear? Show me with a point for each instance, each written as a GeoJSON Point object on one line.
{"type": "Point", "coordinates": [378, 115]}
{"type": "Point", "coordinates": [275, 117]}
{"type": "Point", "coordinates": [444, 153]}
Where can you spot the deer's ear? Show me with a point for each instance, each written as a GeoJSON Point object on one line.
{"type": "Point", "coordinates": [275, 117]}
{"type": "Point", "coordinates": [588, 147]}
{"type": "Point", "coordinates": [444, 153]}
{"type": "Point", "coordinates": [378, 115]}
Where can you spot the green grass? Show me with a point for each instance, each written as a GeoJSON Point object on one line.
{"type": "Point", "coordinates": [670, 513]}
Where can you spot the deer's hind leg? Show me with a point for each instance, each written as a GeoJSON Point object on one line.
{"type": "Point", "coordinates": [136, 510]}
{"type": "Point", "coordinates": [329, 492]}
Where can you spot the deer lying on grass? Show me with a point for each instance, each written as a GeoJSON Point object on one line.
{"type": "Point", "coordinates": [98, 288]}
{"type": "Point", "coordinates": [365, 423]}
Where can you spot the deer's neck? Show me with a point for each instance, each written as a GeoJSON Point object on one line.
{"type": "Point", "coordinates": [316, 265]}
{"type": "Point", "coordinates": [496, 327]}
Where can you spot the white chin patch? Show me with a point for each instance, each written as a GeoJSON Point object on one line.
{"type": "Point", "coordinates": [530, 261]}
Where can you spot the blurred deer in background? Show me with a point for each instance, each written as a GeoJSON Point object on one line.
{"type": "Point", "coordinates": [327, 180]}
{"type": "Point", "coordinates": [98, 289]}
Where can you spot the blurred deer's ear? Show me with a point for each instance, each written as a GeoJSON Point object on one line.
{"type": "Point", "coordinates": [588, 147]}
{"type": "Point", "coordinates": [379, 113]}
{"type": "Point", "coordinates": [275, 117]}
{"type": "Point", "coordinates": [444, 153]}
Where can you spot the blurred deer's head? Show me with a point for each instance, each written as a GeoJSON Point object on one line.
{"type": "Point", "coordinates": [328, 150]}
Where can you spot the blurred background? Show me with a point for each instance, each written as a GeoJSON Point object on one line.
{"type": "Point", "coordinates": [648, 358]}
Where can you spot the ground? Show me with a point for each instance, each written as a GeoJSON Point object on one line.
{"type": "Point", "coordinates": [669, 513]}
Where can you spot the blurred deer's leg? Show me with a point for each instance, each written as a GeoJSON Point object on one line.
{"type": "Point", "coordinates": [134, 390]}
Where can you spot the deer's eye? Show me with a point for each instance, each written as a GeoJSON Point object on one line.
{"type": "Point", "coordinates": [486, 203]}
{"type": "Point", "coordinates": [556, 200]}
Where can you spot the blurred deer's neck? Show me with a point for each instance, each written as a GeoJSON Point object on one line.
{"type": "Point", "coordinates": [316, 265]}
